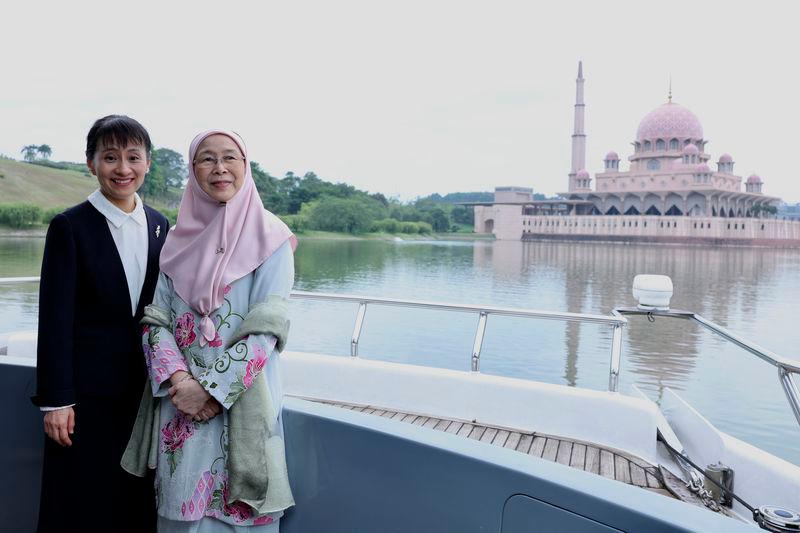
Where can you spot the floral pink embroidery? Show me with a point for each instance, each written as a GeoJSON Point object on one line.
{"type": "Point", "coordinates": [238, 511]}
{"type": "Point", "coordinates": [262, 520]}
{"type": "Point", "coordinates": [217, 342]}
{"type": "Point", "coordinates": [254, 366]}
{"type": "Point", "coordinates": [145, 329]}
{"type": "Point", "coordinates": [176, 433]}
{"type": "Point", "coordinates": [184, 331]}
{"type": "Point", "coordinates": [226, 290]}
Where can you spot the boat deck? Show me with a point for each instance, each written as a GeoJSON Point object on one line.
{"type": "Point", "coordinates": [609, 463]}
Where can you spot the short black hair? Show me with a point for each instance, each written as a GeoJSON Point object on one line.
{"type": "Point", "coordinates": [117, 130]}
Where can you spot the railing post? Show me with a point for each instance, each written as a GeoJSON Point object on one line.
{"type": "Point", "coordinates": [616, 356]}
{"type": "Point", "coordinates": [790, 388]}
{"type": "Point", "coordinates": [478, 344]}
{"type": "Point", "coordinates": [362, 310]}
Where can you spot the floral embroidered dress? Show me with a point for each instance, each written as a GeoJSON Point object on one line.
{"type": "Point", "coordinates": [191, 477]}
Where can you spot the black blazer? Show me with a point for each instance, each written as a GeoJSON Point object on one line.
{"type": "Point", "coordinates": [89, 344]}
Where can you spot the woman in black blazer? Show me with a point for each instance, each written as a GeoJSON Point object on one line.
{"type": "Point", "coordinates": [99, 270]}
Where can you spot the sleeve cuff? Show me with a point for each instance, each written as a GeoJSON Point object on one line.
{"type": "Point", "coordinates": [63, 397]}
{"type": "Point", "coordinates": [48, 409]}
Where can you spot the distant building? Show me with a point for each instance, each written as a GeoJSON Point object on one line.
{"type": "Point", "coordinates": [669, 171]}
{"type": "Point", "coordinates": [668, 176]}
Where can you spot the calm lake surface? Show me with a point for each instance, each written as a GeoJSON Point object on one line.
{"type": "Point", "coordinates": [752, 291]}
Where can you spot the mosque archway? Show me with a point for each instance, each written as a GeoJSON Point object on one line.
{"type": "Point", "coordinates": [674, 211]}
{"type": "Point", "coordinates": [652, 210]}
{"type": "Point", "coordinates": [612, 210]}
{"type": "Point", "coordinates": [632, 211]}
{"type": "Point", "coordinates": [488, 226]}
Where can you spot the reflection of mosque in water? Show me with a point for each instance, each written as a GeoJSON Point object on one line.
{"type": "Point", "coordinates": [598, 277]}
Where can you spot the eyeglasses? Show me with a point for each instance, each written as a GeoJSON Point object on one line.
{"type": "Point", "coordinates": [227, 161]}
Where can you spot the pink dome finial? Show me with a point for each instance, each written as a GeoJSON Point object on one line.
{"type": "Point", "coordinates": [669, 98]}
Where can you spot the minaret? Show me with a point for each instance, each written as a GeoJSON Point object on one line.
{"type": "Point", "coordinates": [578, 137]}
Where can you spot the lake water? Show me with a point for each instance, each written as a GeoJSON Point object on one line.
{"type": "Point", "coordinates": [752, 291]}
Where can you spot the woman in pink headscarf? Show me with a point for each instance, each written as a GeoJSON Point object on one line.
{"type": "Point", "coordinates": [211, 341]}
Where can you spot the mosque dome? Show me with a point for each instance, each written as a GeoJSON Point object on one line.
{"type": "Point", "coordinates": [725, 158]}
{"type": "Point", "coordinates": [612, 156]}
{"type": "Point", "coordinates": [702, 168]}
{"type": "Point", "coordinates": [582, 174]}
{"type": "Point", "coordinates": [690, 149]}
{"type": "Point", "coordinates": [754, 178]}
{"type": "Point", "coordinates": [669, 121]}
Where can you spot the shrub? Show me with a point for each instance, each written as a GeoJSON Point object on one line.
{"type": "Point", "coordinates": [49, 214]}
{"type": "Point", "coordinates": [20, 215]}
{"type": "Point", "coordinates": [348, 215]}
{"type": "Point", "coordinates": [171, 214]}
{"type": "Point", "coordinates": [415, 227]}
{"type": "Point", "coordinates": [387, 225]}
{"type": "Point", "coordinates": [297, 223]}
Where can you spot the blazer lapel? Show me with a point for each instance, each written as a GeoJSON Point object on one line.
{"type": "Point", "coordinates": [108, 257]}
{"type": "Point", "coordinates": [156, 234]}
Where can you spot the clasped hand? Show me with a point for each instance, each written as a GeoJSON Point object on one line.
{"type": "Point", "coordinates": [191, 399]}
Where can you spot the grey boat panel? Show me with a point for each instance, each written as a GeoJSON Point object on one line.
{"type": "Point", "coordinates": [352, 472]}
{"type": "Point", "coordinates": [522, 512]}
{"type": "Point", "coordinates": [21, 446]}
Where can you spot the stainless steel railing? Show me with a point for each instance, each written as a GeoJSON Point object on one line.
{"type": "Point", "coordinates": [786, 367]}
{"type": "Point", "coordinates": [483, 313]}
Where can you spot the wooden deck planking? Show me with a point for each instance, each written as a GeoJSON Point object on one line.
{"type": "Point", "coordinates": [652, 481]}
{"type": "Point", "coordinates": [606, 464]}
{"type": "Point", "coordinates": [638, 476]}
{"type": "Point", "coordinates": [477, 432]}
{"type": "Point", "coordinates": [564, 452]}
{"type": "Point", "coordinates": [550, 449]}
{"type": "Point", "coordinates": [622, 469]}
{"type": "Point", "coordinates": [537, 448]}
{"type": "Point", "coordinates": [488, 435]}
{"type": "Point", "coordinates": [578, 456]}
{"type": "Point", "coordinates": [465, 430]}
{"type": "Point", "coordinates": [525, 443]}
{"type": "Point", "coordinates": [582, 456]}
{"type": "Point", "coordinates": [592, 460]}
{"type": "Point", "coordinates": [501, 437]}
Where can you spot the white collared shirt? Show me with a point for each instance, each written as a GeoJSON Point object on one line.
{"type": "Point", "coordinates": [129, 231]}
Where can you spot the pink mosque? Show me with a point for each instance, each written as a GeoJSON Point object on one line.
{"type": "Point", "coordinates": [668, 194]}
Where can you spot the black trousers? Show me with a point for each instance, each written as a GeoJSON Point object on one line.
{"type": "Point", "coordinates": [84, 488]}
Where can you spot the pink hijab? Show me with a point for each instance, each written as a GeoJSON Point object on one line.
{"type": "Point", "coordinates": [214, 244]}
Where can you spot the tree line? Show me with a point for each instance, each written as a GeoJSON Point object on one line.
{"type": "Point", "coordinates": [308, 202]}
{"type": "Point", "coordinates": [305, 202]}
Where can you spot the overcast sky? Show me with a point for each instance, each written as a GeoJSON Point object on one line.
{"type": "Point", "coordinates": [407, 98]}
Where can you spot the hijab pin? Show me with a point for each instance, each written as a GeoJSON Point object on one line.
{"type": "Point", "coordinates": [220, 251]}
{"type": "Point", "coordinates": [158, 231]}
